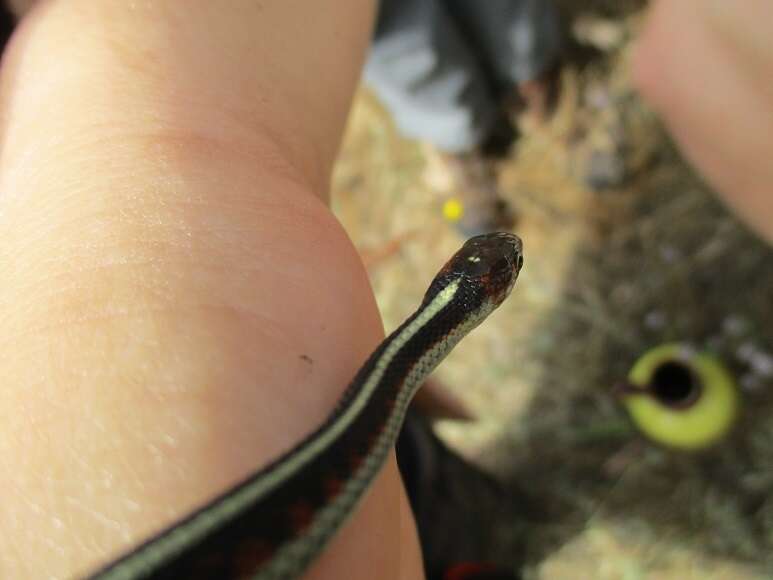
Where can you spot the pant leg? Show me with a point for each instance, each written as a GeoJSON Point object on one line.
{"type": "Point", "coordinates": [423, 71]}
{"type": "Point", "coordinates": [517, 39]}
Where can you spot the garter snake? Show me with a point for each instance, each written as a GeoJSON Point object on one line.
{"type": "Point", "coordinates": [273, 524]}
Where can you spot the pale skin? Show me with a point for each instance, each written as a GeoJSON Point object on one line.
{"type": "Point", "coordinates": [168, 258]}
{"type": "Point", "coordinates": [706, 66]}
{"type": "Point", "coordinates": [178, 304]}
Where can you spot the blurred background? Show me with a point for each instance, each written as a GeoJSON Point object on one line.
{"type": "Point", "coordinates": [626, 248]}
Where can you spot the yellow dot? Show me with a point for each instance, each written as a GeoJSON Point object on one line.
{"type": "Point", "coordinates": [453, 210]}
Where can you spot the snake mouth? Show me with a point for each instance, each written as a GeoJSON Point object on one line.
{"type": "Point", "coordinates": [505, 260]}
{"type": "Point", "coordinates": [514, 258]}
{"type": "Point", "coordinates": [515, 254]}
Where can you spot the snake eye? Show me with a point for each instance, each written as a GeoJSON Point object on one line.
{"type": "Point", "coordinates": [681, 398]}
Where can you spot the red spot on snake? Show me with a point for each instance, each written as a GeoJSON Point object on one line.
{"type": "Point", "coordinates": [249, 555]}
{"type": "Point", "coordinates": [301, 513]}
{"type": "Point", "coordinates": [467, 570]}
{"type": "Point", "coordinates": [333, 487]}
{"type": "Point", "coordinates": [355, 460]}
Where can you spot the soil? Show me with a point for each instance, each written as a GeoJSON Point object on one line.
{"type": "Point", "coordinates": [626, 248]}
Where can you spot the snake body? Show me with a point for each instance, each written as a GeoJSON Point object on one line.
{"type": "Point", "coordinates": [273, 525]}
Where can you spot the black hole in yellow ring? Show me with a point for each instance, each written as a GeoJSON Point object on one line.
{"type": "Point", "coordinates": [675, 385]}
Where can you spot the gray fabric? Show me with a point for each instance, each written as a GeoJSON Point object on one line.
{"type": "Point", "coordinates": [437, 64]}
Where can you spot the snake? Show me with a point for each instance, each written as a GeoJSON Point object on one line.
{"type": "Point", "coordinates": [274, 524]}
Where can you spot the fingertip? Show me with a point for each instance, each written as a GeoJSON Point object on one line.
{"type": "Point", "coordinates": [648, 58]}
{"type": "Point", "coordinates": [641, 67]}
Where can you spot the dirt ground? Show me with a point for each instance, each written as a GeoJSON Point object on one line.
{"type": "Point", "coordinates": [646, 256]}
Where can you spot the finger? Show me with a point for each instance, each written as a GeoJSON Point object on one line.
{"type": "Point", "coordinates": [693, 68]}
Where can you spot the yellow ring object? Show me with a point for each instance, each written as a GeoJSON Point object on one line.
{"type": "Point", "coordinates": [701, 418]}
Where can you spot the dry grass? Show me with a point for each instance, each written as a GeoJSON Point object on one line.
{"type": "Point", "coordinates": [608, 275]}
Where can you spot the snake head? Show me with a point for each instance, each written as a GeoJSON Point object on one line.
{"type": "Point", "coordinates": [489, 264]}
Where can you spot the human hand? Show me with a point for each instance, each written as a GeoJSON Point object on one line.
{"type": "Point", "coordinates": [169, 269]}
{"type": "Point", "coordinates": [707, 67]}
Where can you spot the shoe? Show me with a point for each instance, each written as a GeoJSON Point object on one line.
{"type": "Point", "coordinates": [453, 503]}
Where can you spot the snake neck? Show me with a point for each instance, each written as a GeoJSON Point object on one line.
{"type": "Point", "coordinates": [279, 519]}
